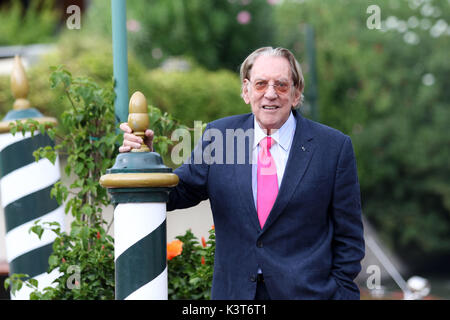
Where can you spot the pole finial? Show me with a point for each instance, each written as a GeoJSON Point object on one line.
{"type": "Point", "coordinates": [19, 85]}
{"type": "Point", "coordinates": [138, 118]}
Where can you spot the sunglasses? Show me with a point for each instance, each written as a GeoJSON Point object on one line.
{"type": "Point", "coordinates": [280, 87]}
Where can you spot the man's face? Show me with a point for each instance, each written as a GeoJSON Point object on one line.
{"type": "Point", "coordinates": [271, 108]}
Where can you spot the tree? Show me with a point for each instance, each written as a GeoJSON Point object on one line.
{"type": "Point", "coordinates": [216, 33]}
{"type": "Point", "coordinates": [387, 89]}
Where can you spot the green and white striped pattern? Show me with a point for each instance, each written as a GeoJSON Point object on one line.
{"type": "Point", "coordinates": [140, 251]}
{"type": "Point", "coordinates": [25, 196]}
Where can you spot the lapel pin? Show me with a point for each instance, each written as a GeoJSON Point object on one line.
{"type": "Point", "coordinates": [303, 148]}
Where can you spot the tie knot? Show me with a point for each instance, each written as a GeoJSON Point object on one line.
{"type": "Point", "coordinates": [266, 143]}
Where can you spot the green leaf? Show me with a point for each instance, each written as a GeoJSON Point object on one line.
{"type": "Point", "coordinates": [53, 260]}
{"type": "Point", "coordinates": [37, 229]}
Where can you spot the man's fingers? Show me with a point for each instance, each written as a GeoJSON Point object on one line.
{"type": "Point", "coordinates": [149, 138]}
{"type": "Point", "coordinates": [131, 144]}
{"type": "Point", "coordinates": [132, 138]}
{"type": "Point", "coordinates": [125, 127]}
{"type": "Point", "coordinates": [124, 149]}
{"type": "Point", "coordinates": [131, 141]}
{"type": "Point", "coordinates": [149, 133]}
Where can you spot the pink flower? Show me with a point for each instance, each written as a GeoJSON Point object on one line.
{"type": "Point", "coordinates": [244, 17]}
{"type": "Point", "coordinates": [133, 25]}
{"type": "Point", "coordinates": [273, 2]}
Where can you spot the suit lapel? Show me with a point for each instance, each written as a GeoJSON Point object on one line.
{"type": "Point", "coordinates": [243, 176]}
{"type": "Point", "coordinates": [299, 157]}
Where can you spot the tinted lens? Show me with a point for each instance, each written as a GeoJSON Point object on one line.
{"type": "Point", "coordinates": [262, 85]}
{"type": "Point", "coordinates": [281, 87]}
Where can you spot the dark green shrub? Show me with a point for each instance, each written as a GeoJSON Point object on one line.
{"type": "Point", "coordinates": [196, 95]}
{"type": "Point", "coordinates": [37, 24]}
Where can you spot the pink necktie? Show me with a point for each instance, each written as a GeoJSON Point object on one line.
{"type": "Point", "coordinates": [267, 181]}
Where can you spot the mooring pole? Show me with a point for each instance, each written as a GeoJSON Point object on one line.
{"type": "Point", "coordinates": [25, 190]}
{"type": "Point", "coordinates": [139, 184]}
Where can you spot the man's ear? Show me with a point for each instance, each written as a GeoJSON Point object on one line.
{"type": "Point", "coordinates": [297, 96]}
{"type": "Point", "coordinates": [245, 94]}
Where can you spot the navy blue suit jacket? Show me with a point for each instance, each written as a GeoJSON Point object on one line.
{"type": "Point", "coordinates": [312, 242]}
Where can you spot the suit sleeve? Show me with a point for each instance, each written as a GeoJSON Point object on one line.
{"type": "Point", "coordinates": [193, 179]}
{"type": "Point", "coordinates": [348, 239]}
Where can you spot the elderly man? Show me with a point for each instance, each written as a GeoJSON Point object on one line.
{"type": "Point", "coordinates": [287, 219]}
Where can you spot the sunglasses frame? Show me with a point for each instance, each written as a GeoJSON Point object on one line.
{"type": "Point", "coordinates": [276, 86]}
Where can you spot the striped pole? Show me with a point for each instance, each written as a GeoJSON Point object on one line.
{"type": "Point", "coordinates": [139, 184]}
{"type": "Point", "coordinates": [25, 194]}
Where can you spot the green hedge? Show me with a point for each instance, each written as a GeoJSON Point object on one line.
{"type": "Point", "coordinates": [197, 94]}
{"type": "Point", "coordinates": [38, 24]}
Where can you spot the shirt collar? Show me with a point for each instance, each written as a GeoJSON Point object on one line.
{"type": "Point", "coordinates": [283, 136]}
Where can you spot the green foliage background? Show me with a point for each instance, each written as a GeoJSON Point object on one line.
{"type": "Point", "coordinates": [38, 24]}
{"type": "Point", "coordinates": [208, 31]}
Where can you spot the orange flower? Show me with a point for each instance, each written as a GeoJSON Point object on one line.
{"type": "Point", "coordinates": [212, 227]}
{"type": "Point", "coordinates": [203, 260]}
{"type": "Point", "coordinates": [174, 249]}
{"type": "Point", "coordinates": [203, 242]}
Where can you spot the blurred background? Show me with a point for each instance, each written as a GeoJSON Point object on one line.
{"type": "Point", "coordinates": [380, 74]}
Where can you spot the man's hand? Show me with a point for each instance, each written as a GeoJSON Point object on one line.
{"type": "Point", "coordinates": [130, 141]}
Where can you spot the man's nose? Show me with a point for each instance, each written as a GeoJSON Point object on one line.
{"type": "Point", "coordinates": [270, 92]}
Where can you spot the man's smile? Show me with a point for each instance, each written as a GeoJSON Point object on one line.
{"type": "Point", "coordinates": [270, 107]}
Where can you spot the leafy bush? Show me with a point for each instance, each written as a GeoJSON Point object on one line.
{"type": "Point", "coordinates": [91, 149]}
{"type": "Point", "coordinates": [37, 24]}
{"type": "Point", "coordinates": [191, 270]}
{"type": "Point", "coordinates": [196, 95]}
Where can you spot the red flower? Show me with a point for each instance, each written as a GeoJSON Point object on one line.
{"type": "Point", "coordinates": [98, 234]}
{"type": "Point", "coordinates": [203, 260]}
{"type": "Point", "coordinates": [63, 260]}
{"type": "Point", "coordinates": [203, 242]}
{"type": "Point", "coordinates": [174, 249]}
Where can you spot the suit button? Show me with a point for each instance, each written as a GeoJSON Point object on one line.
{"type": "Point", "coordinates": [253, 279]}
{"type": "Point", "coordinates": [259, 244]}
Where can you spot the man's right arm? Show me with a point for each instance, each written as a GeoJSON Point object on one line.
{"type": "Point", "coordinates": [193, 174]}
